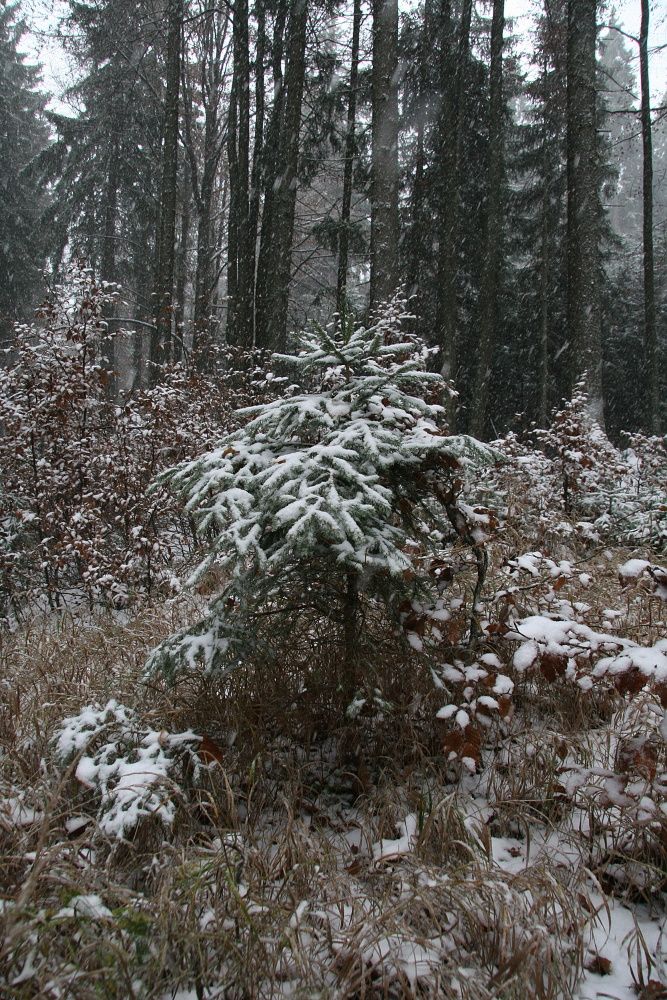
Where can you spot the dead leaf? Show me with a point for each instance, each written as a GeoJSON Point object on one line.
{"type": "Point", "coordinates": [599, 965]}
{"type": "Point", "coordinates": [209, 751]}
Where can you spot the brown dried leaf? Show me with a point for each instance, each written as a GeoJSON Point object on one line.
{"type": "Point", "coordinates": [552, 665]}
{"type": "Point", "coordinates": [599, 965]}
{"type": "Point", "coordinates": [209, 751]}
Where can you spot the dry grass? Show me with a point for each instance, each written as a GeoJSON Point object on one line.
{"type": "Point", "coordinates": [267, 885]}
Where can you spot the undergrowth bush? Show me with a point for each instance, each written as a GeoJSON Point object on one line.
{"type": "Point", "coordinates": [76, 517]}
{"type": "Point", "coordinates": [568, 482]}
{"type": "Point", "coordinates": [498, 780]}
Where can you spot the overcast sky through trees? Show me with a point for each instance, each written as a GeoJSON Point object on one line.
{"type": "Point", "coordinates": [43, 19]}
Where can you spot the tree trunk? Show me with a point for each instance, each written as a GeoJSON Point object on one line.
{"type": "Point", "coordinates": [545, 264]}
{"type": "Point", "coordinates": [583, 205]}
{"type": "Point", "coordinates": [350, 151]}
{"type": "Point", "coordinates": [418, 242]}
{"type": "Point", "coordinates": [650, 334]}
{"type": "Point", "coordinates": [451, 157]}
{"type": "Point", "coordinates": [277, 255]}
{"type": "Point", "coordinates": [164, 284]}
{"type": "Point", "coordinates": [270, 171]}
{"type": "Point", "coordinates": [108, 258]}
{"type": "Point", "coordinates": [205, 244]}
{"type": "Point", "coordinates": [489, 313]}
{"type": "Point", "coordinates": [257, 157]}
{"type": "Point", "coordinates": [350, 636]}
{"type": "Point", "coordinates": [384, 167]}
{"type": "Point", "coordinates": [204, 171]}
{"type": "Point", "coordinates": [233, 217]}
{"type": "Point", "coordinates": [243, 306]}
{"type": "Point", "coordinates": [543, 359]}
{"type": "Point", "coordinates": [182, 274]}
{"type": "Point", "coordinates": [142, 307]}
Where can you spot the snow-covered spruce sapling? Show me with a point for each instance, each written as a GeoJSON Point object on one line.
{"type": "Point", "coordinates": [313, 511]}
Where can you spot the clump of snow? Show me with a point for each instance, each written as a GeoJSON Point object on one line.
{"type": "Point", "coordinates": [133, 769]}
{"type": "Point", "coordinates": [577, 643]}
{"type": "Point", "coordinates": [15, 812]}
{"type": "Point", "coordinates": [90, 906]}
{"type": "Point", "coordinates": [633, 568]}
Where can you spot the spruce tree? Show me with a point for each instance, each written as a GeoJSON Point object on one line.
{"type": "Point", "coordinates": [312, 510]}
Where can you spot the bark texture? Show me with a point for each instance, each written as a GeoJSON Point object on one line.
{"type": "Point", "coordinates": [350, 151]}
{"type": "Point", "coordinates": [490, 291]}
{"type": "Point", "coordinates": [650, 332]}
{"type": "Point", "coordinates": [583, 205]}
{"type": "Point", "coordinates": [384, 182]}
{"type": "Point", "coordinates": [164, 281]}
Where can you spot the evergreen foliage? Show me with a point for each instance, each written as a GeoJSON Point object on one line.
{"type": "Point", "coordinates": [319, 499]}
{"type": "Point", "coordinates": [22, 135]}
{"type": "Point", "coordinates": [101, 164]}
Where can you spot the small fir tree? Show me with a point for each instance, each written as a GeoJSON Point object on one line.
{"type": "Point", "coordinates": [315, 509]}
{"type": "Point", "coordinates": [581, 447]}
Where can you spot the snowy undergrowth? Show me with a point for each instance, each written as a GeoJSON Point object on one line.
{"type": "Point", "coordinates": [489, 820]}
{"type": "Point", "coordinates": [294, 861]}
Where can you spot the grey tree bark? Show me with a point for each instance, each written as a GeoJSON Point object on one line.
{"type": "Point", "coordinates": [384, 177]}
{"type": "Point", "coordinates": [489, 312]}
{"type": "Point", "coordinates": [182, 272]}
{"type": "Point", "coordinates": [270, 169]}
{"type": "Point", "coordinates": [164, 280]}
{"type": "Point", "coordinates": [108, 257]}
{"type": "Point", "coordinates": [583, 205]}
{"type": "Point", "coordinates": [240, 264]}
{"type": "Point", "coordinates": [454, 67]}
{"type": "Point", "coordinates": [204, 164]}
{"type": "Point", "coordinates": [257, 158]}
{"type": "Point", "coordinates": [650, 332]}
{"type": "Point", "coordinates": [277, 236]}
{"type": "Point", "coordinates": [350, 151]}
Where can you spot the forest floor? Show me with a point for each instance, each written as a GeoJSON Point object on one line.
{"type": "Point", "coordinates": [286, 856]}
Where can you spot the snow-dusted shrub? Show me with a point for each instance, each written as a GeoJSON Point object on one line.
{"type": "Point", "coordinates": [583, 454]}
{"type": "Point", "coordinates": [636, 501]}
{"type": "Point", "coordinates": [75, 514]}
{"type": "Point", "coordinates": [540, 632]}
{"type": "Point", "coordinates": [623, 494]}
{"type": "Point", "coordinates": [326, 503]}
{"type": "Point", "coordinates": [624, 791]}
{"type": "Point", "coordinates": [577, 486]}
{"type": "Point", "coordinates": [135, 772]}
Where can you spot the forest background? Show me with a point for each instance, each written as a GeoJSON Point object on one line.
{"type": "Point", "coordinates": [373, 152]}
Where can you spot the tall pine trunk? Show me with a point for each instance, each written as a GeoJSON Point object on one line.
{"type": "Point", "coordinates": [166, 229]}
{"type": "Point", "coordinates": [583, 205]}
{"type": "Point", "coordinates": [490, 291]}
{"type": "Point", "coordinates": [650, 334]}
{"type": "Point", "coordinates": [239, 324]}
{"type": "Point", "coordinates": [350, 152]}
{"type": "Point", "coordinates": [204, 165]}
{"type": "Point", "coordinates": [257, 158]}
{"type": "Point", "coordinates": [277, 239]}
{"type": "Point", "coordinates": [270, 170]}
{"type": "Point", "coordinates": [418, 244]}
{"type": "Point", "coordinates": [384, 167]}
{"type": "Point", "coordinates": [108, 257]}
{"type": "Point", "coordinates": [454, 76]}
{"type": "Point", "coordinates": [205, 242]}
{"type": "Point", "coordinates": [182, 273]}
